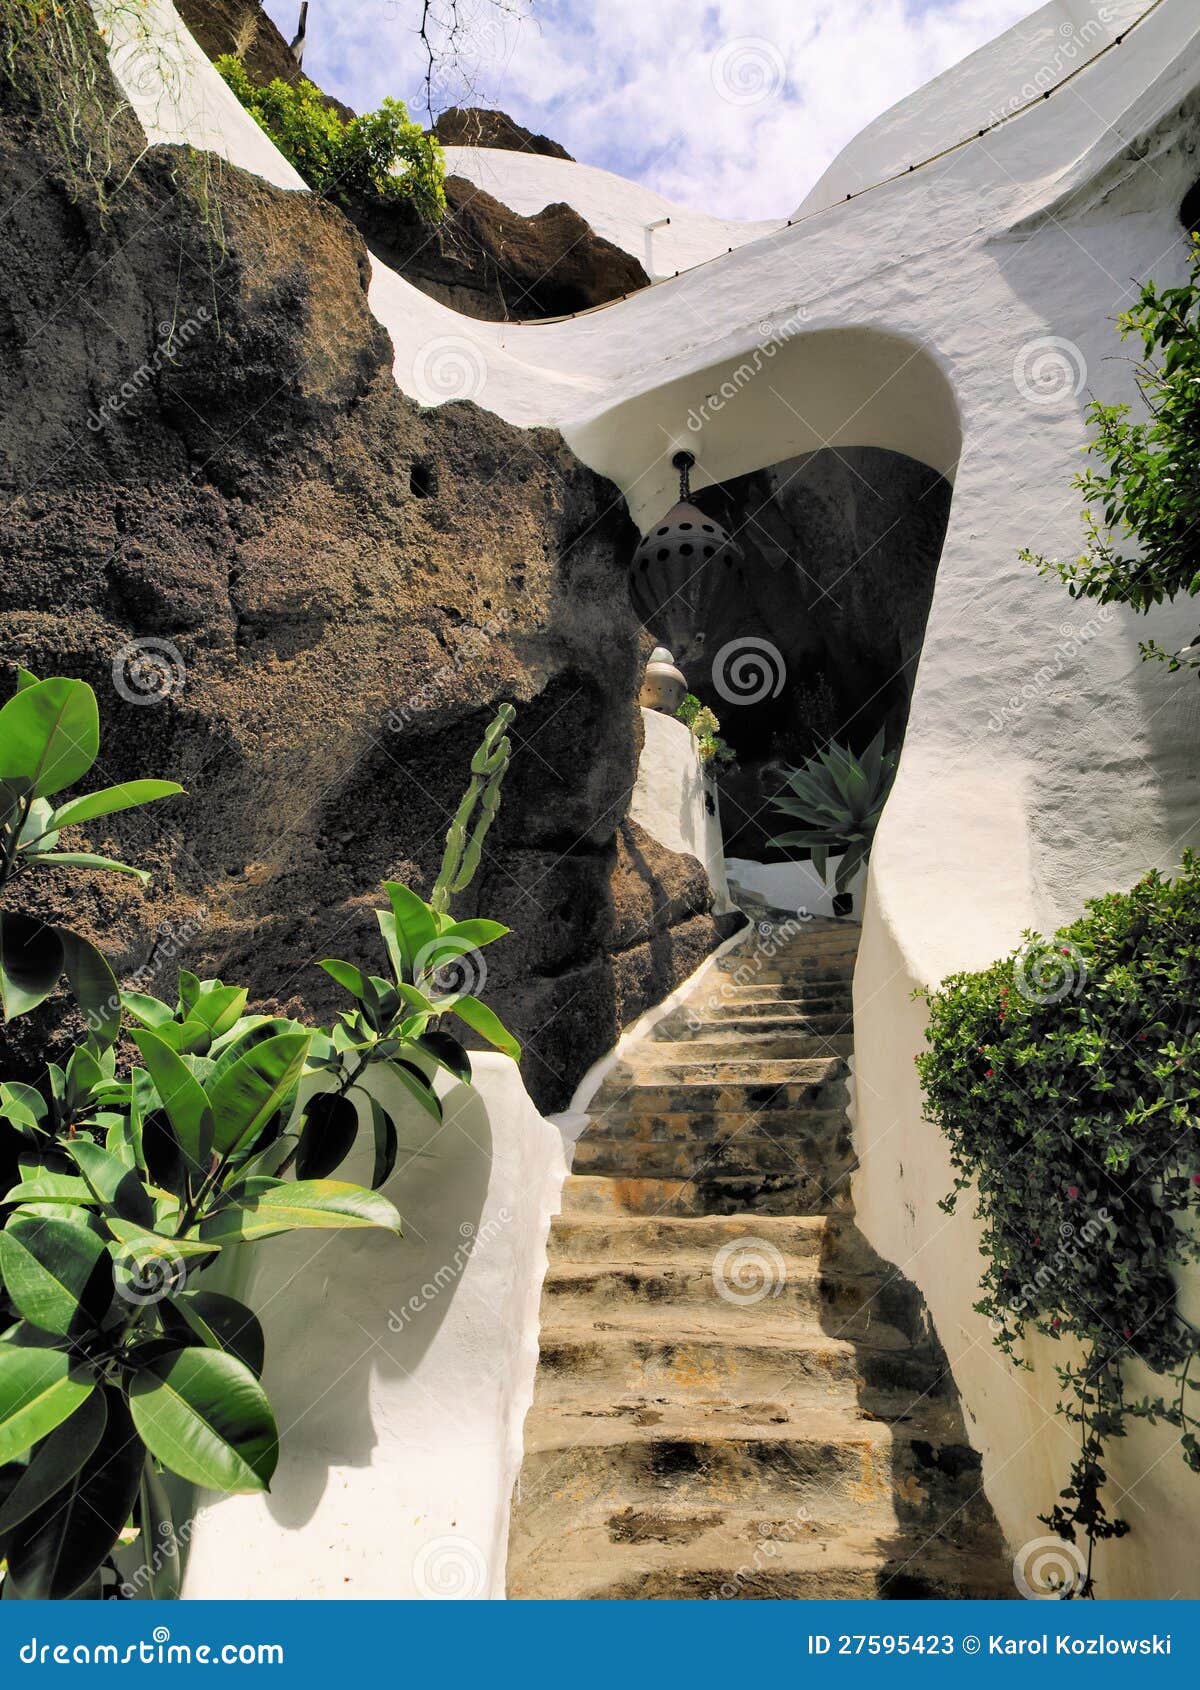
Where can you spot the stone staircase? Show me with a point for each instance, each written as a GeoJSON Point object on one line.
{"type": "Point", "coordinates": [735, 1397]}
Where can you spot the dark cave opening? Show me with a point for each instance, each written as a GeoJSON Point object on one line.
{"type": "Point", "coordinates": [813, 632]}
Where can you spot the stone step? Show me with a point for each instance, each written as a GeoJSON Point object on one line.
{"type": "Point", "coordinates": [812, 975]}
{"type": "Point", "coordinates": [805, 1125]}
{"type": "Point", "coordinates": [682, 1555]}
{"type": "Point", "coordinates": [832, 1468]}
{"type": "Point", "coordinates": [829, 993]}
{"type": "Point", "coordinates": [812, 1167]}
{"type": "Point", "coordinates": [601, 1238]}
{"type": "Point", "coordinates": [722, 1194]}
{"type": "Point", "coordinates": [739, 1024]}
{"type": "Point", "coordinates": [736, 1051]}
{"type": "Point", "coordinates": [655, 1362]}
{"type": "Point", "coordinates": [797, 1293]}
{"type": "Point", "coordinates": [806, 1084]}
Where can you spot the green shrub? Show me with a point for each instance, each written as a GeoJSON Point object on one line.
{"type": "Point", "coordinates": [379, 155]}
{"type": "Point", "coordinates": [117, 1191]}
{"type": "Point", "coordinates": [1066, 1079]}
{"type": "Point", "coordinates": [1149, 490]}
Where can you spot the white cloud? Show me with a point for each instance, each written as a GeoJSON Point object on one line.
{"type": "Point", "coordinates": [660, 90]}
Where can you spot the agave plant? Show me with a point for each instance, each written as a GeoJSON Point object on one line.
{"type": "Point", "coordinates": [839, 798]}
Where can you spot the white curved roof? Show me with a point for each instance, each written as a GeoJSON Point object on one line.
{"type": "Point", "coordinates": [991, 83]}
{"type": "Point", "coordinates": [624, 212]}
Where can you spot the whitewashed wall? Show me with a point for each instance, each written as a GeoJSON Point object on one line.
{"type": "Point", "coordinates": [400, 1370]}
{"type": "Point", "coordinates": [671, 798]}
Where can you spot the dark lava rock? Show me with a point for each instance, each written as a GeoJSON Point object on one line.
{"type": "Point", "coordinates": [203, 453]}
{"type": "Point", "coordinates": [477, 126]}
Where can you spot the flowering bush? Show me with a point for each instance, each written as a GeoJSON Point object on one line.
{"type": "Point", "coordinates": [1066, 1080]}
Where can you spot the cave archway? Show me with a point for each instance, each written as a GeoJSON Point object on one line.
{"type": "Point", "coordinates": [830, 457]}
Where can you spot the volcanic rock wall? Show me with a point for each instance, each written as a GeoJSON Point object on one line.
{"type": "Point", "coordinates": [303, 597]}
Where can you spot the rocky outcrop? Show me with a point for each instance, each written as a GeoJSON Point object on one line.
{"type": "Point", "coordinates": [210, 476]}
{"type": "Point", "coordinates": [242, 28]}
{"type": "Point", "coordinates": [483, 258]}
{"type": "Point", "coordinates": [477, 126]}
{"type": "Point", "coordinates": [488, 261]}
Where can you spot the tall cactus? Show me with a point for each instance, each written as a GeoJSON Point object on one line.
{"type": "Point", "coordinates": [464, 840]}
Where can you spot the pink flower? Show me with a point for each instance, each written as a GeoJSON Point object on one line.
{"type": "Point", "coordinates": [990, 1073]}
{"type": "Point", "coordinates": [1127, 1331]}
{"type": "Point", "coordinates": [1072, 1191]}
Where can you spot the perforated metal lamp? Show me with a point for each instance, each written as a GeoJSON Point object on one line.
{"type": "Point", "coordinates": [685, 539]}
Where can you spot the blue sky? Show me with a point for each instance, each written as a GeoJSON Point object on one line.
{"type": "Point", "coordinates": [735, 107]}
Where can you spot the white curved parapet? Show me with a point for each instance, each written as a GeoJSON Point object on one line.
{"type": "Point", "coordinates": [400, 1369]}
{"type": "Point", "coordinates": [662, 236]}
{"type": "Point", "coordinates": [177, 95]}
{"type": "Point", "coordinates": [676, 803]}
{"type": "Point", "coordinates": [962, 314]}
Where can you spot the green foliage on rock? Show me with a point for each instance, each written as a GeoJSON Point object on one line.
{"type": "Point", "coordinates": [1066, 1079]}
{"type": "Point", "coordinates": [839, 797]}
{"type": "Point", "coordinates": [380, 154]}
{"type": "Point", "coordinates": [1142, 513]}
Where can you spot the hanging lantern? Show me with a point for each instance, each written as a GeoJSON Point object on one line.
{"type": "Point", "coordinates": [672, 566]}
